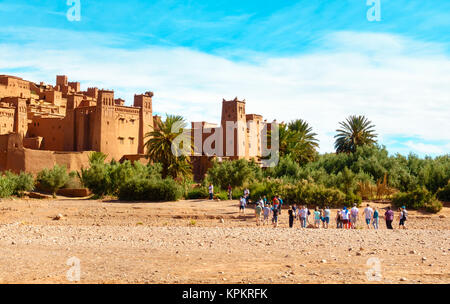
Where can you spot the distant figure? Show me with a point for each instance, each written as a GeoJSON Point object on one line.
{"type": "Point", "coordinates": [338, 219]}
{"type": "Point", "coordinates": [403, 217]}
{"type": "Point", "coordinates": [265, 200]}
{"type": "Point", "coordinates": [317, 218]}
{"type": "Point", "coordinates": [354, 216]}
{"type": "Point", "coordinates": [211, 191]}
{"type": "Point", "coordinates": [344, 218]}
{"type": "Point", "coordinates": [291, 217]}
{"type": "Point", "coordinates": [375, 219]}
{"type": "Point", "coordinates": [258, 210]}
{"type": "Point", "coordinates": [389, 217]}
{"type": "Point", "coordinates": [230, 193]}
{"type": "Point", "coordinates": [246, 195]}
{"type": "Point", "coordinates": [281, 203]}
{"type": "Point", "coordinates": [303, 213]}
{"type": "Point", "coordinates": [275, 217]}
{"type": "Point", "coordinates": [242, 204]}
{"type": "Point", "coordinates": [266, 213]}
{"type": "Point", "coordinates": [326, 217]}
{"type": "Point", "coordinates": [275, 202]}
{"type": "Point", "coordinates": [368, 213]}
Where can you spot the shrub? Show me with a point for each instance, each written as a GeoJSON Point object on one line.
{"type": "Point", "coordinates": [420, 198]}
{"type": "Point", "coordinates": [444, 193]}
{"type": "Point", "coordinates": [51, 180]}
{"type": "Point", "coordinates": [6, 187]}
{"type": "Point", "coordinates": [154, 189]}
{"type": "Point", "coordinates": [235, 173]}
{"type": "Point", "coordinates": [21, 182]}
{"type": "Point", "coordinates": [222, 195]}
{"type": "Point", "coordinates": [198, 193]}
{"type": "Point", "coordinates": [351, 199]}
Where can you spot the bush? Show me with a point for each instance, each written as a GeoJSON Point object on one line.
{"type": "Point", "coordinates": [154, 189]}
{"type": "Point", "coordinates": [420, 198]}
{"type": "Point", "coordinates": [21, 183]}
{"type": "Point", "coordinates": [235, 173]}
{"type": "Point", "coordinates": [6, 187]}
{"type": "Point", "coordinates": [51, 180]}
{"type": "Point", "coordinates": [444, 193]}
{"type": "Point", "coordinates": [351, 199]}
{"type": "Point", "coordinates": [198, 193]}
{"type": "Point", "coordinates": [222, 195]}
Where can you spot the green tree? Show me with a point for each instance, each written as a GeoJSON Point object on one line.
{"type": "Point", "coordinates": [159, 147]}
{"type": "Point", "coordinates": [355, 131]}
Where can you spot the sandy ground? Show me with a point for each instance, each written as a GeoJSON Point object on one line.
{"type": "Point", "coordinates": [209, 242]}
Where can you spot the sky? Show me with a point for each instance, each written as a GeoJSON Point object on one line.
{"type": "Point", "coordinates": [317, 60]}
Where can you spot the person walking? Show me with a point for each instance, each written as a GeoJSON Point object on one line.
{"type": "Point", "coordinates": [316, 218]}
{"type": "Point", "coordinates": [303, 214]}
{"type": "Point", "coordinates": [281, 203]}
{"type": "Point", "coordinates": [242, 204]}
{"type": "Point", "coordinates": [403, 217]}
{"type": "Point", "coordinates": [338, 219]}
{"type": "Point", "coordinates": [354, 216]}
{"type": "Point", "coordinates": [275, 217]}
{"type": "Point", "coordinates": [375, 219]}
{"type": "Point", "coordinates": [258, 210]}
{"type": "Point", "coordinates": [368, 213]}
{"type": "Point", "coordinates": [230, 193]}
{"type": "Point", "coordinates": [344, 218]}
{"type": "Point", "coordinates": [326, 217]}
{"type": "Point", "coordinates": [211, 191]}
{"type": "Point", "coordinates": [266, 214]}
{"type": "Point", "coordinates": [291, 213]}
{"type": "Point", "coordinates": [389, 217]}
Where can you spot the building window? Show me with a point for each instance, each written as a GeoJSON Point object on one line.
{"type": "Point", "coordinates": [121, 140]}
{"type": "Point", "coordinates": [132, 140]}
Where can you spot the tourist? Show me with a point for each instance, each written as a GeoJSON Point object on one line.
{"type": "Point", "coordinates": [211, 191]}
{"type": "Point", "coordinates": [258, 210]}
{"type": "Point", "coordinates": [403, 217]}
{"type": "Point", "coordinates": [230, 193]}
{"type": "Point", "coordinates": [246, 195]}
{"type": "Point", "coordinates": [326, 217]}
{"type": "Point", "coordinates": [368, 213]}
{"type": "Point", "coordinates": [266, 213]}
{"type": "Point", "coordinates": [275, 202]}
{"type": "Point", "coordinates": [265, 200]}
{"type": "Point", "coordinates": [375, 218]}
{"type": "Point", "coordinates": [291, 213]}
{"type": "Point", "coordinates": [303, 213]}
{"type": "Point", "coordinates": [281, 203]}
{"type": "Point", "coordinates": [344, 218]}
{"type": "Point", "coordinates": [242, 204]}
{"type": "Point", "coordinates": [338, 219]}
{"type": "Point", "coordinates": [317, 218]}
{"type": "Point", "coordinates": [275, 216]}
{"type": "Point", "coordinates": [354, 216]}
{"type": "Point", "coordinates": [389, 217]}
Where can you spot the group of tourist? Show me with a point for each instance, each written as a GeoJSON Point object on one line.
{"type": "Point", "coordinates": [345, 218]}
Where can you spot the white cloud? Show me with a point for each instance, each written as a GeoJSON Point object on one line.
{"type": "Point", "coordinates": [403, 93]}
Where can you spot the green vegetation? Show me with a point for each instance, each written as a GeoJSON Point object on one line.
{"type": "Point", "coordinates": [51, 180]}
{"type": "Point", "coordinates": [360, 169]}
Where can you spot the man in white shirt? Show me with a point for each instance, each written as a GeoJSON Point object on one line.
{"type": "Point", "coordinates": [211, 191]}
{"type": "Point", "coordinates": [368, 213]}
{"type": "Point", "coordinates": [354, 215]}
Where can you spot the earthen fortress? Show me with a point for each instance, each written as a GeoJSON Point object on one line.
{"type": "Point", "coordinates": [42, 125]}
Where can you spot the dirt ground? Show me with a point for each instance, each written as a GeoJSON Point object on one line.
{"type": "Point", "coordinates": [201, 241]}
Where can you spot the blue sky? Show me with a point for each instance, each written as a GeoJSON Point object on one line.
{"type": "Point", "coordinates": [316, 60]}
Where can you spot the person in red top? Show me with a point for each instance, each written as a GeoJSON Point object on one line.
{"type": "Point", "coordinates": [275, 202]}
{"type": "Point", "coordinates": [389, 217]}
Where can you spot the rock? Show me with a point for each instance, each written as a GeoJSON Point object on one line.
{"type": "Point", "coordinates": [403, 279]}
{"type": "Point", "coordinates": [424, 259]}
{"type": "Point", "coordinates": [442, 216]}
{"type": "Point", "coordinates": [323, 261]}
{"type": "Point", "coordinates": [412, 252]}
{"type": "Point", "coordinates": [358, 253]}
{"type": "Point", "coordinates": [222, 221]}
{"type": "Point", "coordinates": [58, 217]}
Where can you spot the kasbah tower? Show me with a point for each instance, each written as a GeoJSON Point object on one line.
{"type": "Point", "coordinates": [42, 125]}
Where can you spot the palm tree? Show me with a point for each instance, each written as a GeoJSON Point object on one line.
{"type": "Point", "coordinates": [355, 131]}
{"type": "Point", "coordinates": [159, 146]}
{"type": "Point", "coordinates": [298, 140]}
